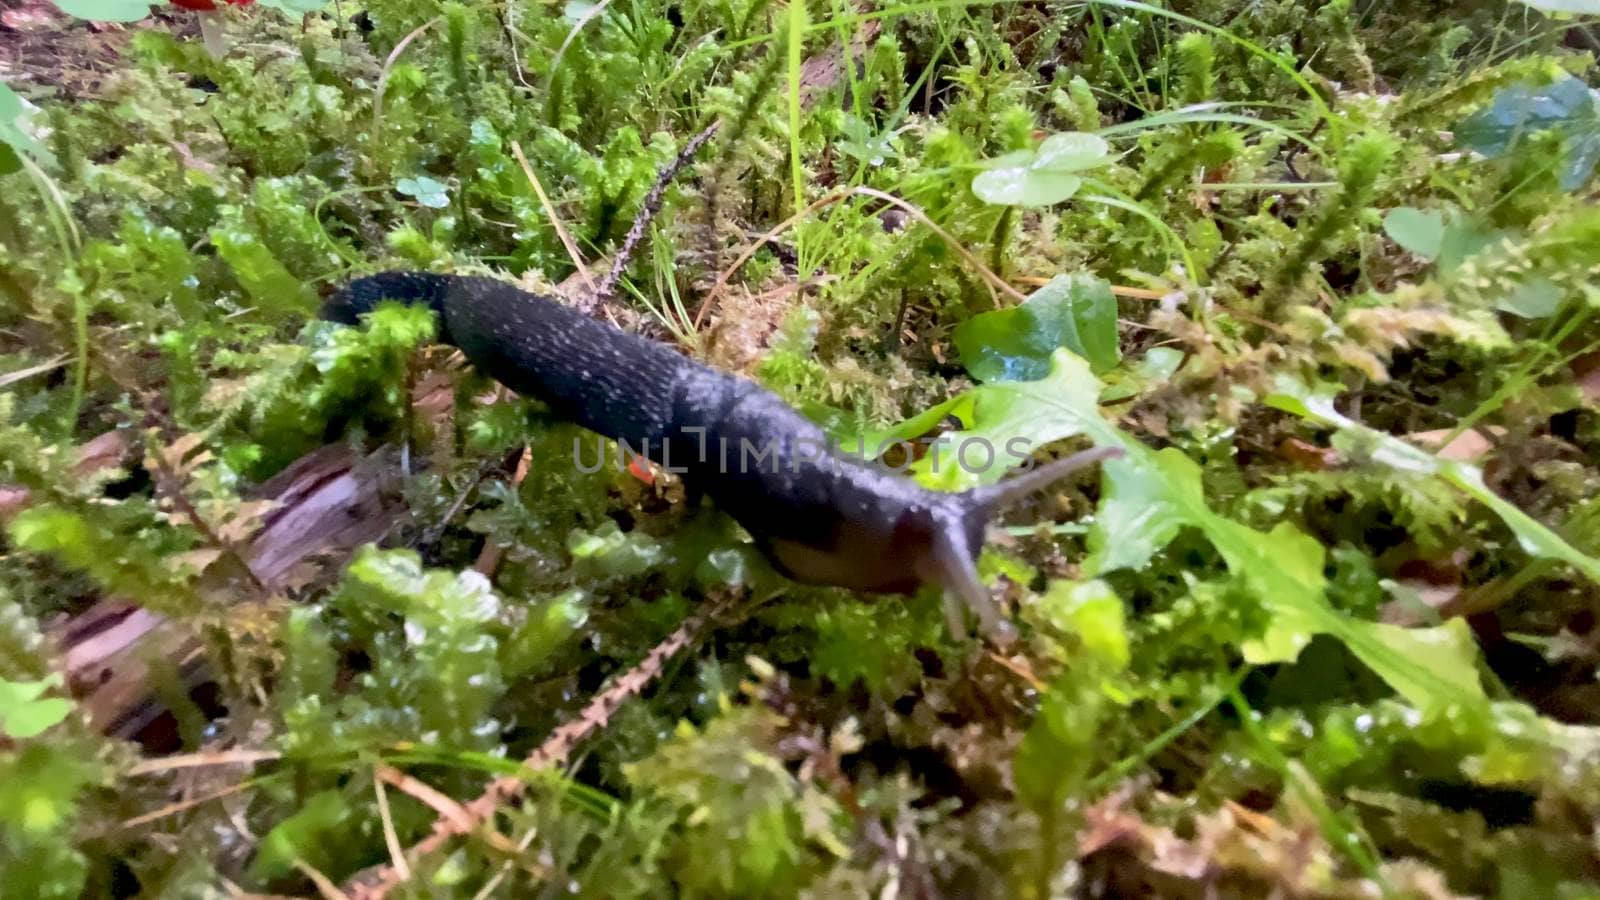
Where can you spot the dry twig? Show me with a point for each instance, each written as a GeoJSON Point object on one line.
{"type": "Point", "coordinates": [647, 212]}
{"type": "Point", "coordinates": [376, 883]}
{"type": "Point", "coordinates": [550, 211]}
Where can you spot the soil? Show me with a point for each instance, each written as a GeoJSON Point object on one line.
{"type": "Point", "coordinates": [42, 47]}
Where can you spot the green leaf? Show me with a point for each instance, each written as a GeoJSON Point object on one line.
{"type": "Point", "coordinates": [1464, 238]}
{"type": "Point", "coordinates": [1004, 422]}
{"type": "Point", "coordinates": [441, 666]}
{"type": "Point", "coordinates": [106, 10]}
{"type": "Point", "coordinates": [260, 273]}
{"type": "Point", "coordinates": [1567, 106]}
{"type": "Point", "coordinates": [426, 191]}
{"type": "Point", "coordinates": [1043, 177]}
{"type": "Point", "coordinates": [575, 10]}
{"type": "Point", "coordinates": [39, 787]}
{"type": "Point", "coordinates": [1419, 231]}
{"type": "Point", "coordinates": [547, 626]}
{"type": "Point", "coordinates": [1076, 311]}
{"type": "Point", "coordinates": [1093, 612]}
{"type": "Point", "coordinates": [1538, 298]}
{"type": "Point", "coordinates": [24, 713]}
{"type": "Point", "coordinates": [610, 552]}
{"type": "Point", "coordinates": [16, 134]}
{"type": "Point", "coordinates": [1283, 568]}
{"type": "Point", "coordinates": [1149, 496]}
{"type": "Point", "coordinates": [1058, 750]}
{"type": "Point", "coordinates": [1535, 538]}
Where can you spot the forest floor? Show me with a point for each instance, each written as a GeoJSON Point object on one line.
{"type": "Point", "coordinates": [289, 607]}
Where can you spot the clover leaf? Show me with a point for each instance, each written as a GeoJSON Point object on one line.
{"type": "Point", "coordinates": [1041, 177]}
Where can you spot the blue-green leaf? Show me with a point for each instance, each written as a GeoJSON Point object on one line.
{"type": "Point", "coordinates": [1419, 231]}
{"type": "Point", "coordinates": [106, 10]}
{"type": "Point", "coordinates": [16, 136]}
{"type": "Point", "coordinates": [1042, 177]}
{"type": "Point", "coordinates": [1567, 106]}
{"type": "Point", "coordinates": [426, 191]}
{"type": "Point", "coordinates": [1572, 7]}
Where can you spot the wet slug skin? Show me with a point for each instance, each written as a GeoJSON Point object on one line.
{"type": "Point", "coordinates": [819, 516]}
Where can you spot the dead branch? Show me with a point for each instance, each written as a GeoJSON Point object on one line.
{"type": "Point", "coordinates": [328, 503]}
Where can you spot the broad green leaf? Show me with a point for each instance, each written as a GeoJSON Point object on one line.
{"type": "Point", "coordinates": [1145, 507]}
{"type": "Point", "coordinates": [1419, 231]}
{"type": "Point", "coordinates": [1464, 238]}
{"type": "Point", "coordinates": [25, 712]}
{"type": "Point", "coordinates": [1021, 186]}
{"type": "Point", "coordinates": [16, 135]}
{"type": "Point", "coordinates": [1004, 422]}
{"type": "Point", "coordinates": [106, 10]}
{"type": "Point", "coordinates": [1076, 311]}
{"type": "Point", "coordinates": [1058, 749]}
{"type": "Point", "coordinates": [575, 10]}
{"type": "Point", "coordinates": [426, 191]}
{"type": "Point", "coordinates": [1071, 151]}
{"type": "Point", "coordinates": [1162, 493]}
{"type": "Point", "coordinates": [1445, 654]}
{"type": "Point", "coordinates": [1149, 496]}
{"type": "Point", "coordinates": [1044, 176]}
{"type": "Point", "coordinates": [1093, 612]}
{"type": "Point", "coordinates": [1567, 106]}
{"type": "Point", "coordinates": [1535, 538]}
{"type": "Point", "coordinates": [260, 273]}
{"type": "Point", "coordinates": [1538, 298]}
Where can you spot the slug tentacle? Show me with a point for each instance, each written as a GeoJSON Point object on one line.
{"type": "Point", "coordinates": [993, 498]}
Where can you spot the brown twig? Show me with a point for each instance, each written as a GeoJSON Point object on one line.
{"type": "Point", "coordinates": [391, 839]}
{"type": "Point", "coordinates": [550, 213]}
{"type": "Point", "coordinates": [647, 212]}
{"type": "Point", "coordinates": [377, 882]}
{"type": "Point", "coordinates": [172, 809]}
{"type": "Point", "coordinates": [169, 484]}
{"type": "Point", "coordinates": [206, 758]}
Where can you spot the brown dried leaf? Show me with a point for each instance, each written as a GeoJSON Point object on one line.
{"type": "Point", "coordinates": [1308, 455]}
{"type": "Point", "coordinates": [1465, 447]}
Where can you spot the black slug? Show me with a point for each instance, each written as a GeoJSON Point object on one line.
{"type": "Point", "coordinates": [820, 516]}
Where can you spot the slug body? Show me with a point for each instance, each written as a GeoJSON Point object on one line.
{"type": "Point", "coordinates": [820, 517]}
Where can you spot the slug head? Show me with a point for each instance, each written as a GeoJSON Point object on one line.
{"type": "Point", "coordinates": [957, 533]}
